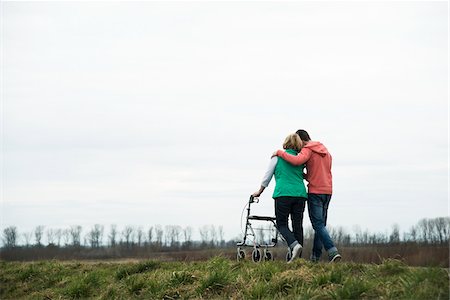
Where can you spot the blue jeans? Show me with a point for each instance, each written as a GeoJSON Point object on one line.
{"type": "Point", "coordinates": [318, 210]}
{"type": "Point", "coordinates": [295, 207]}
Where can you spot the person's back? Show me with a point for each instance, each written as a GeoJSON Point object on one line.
{"type": "Point", "coordinates": [320, 180]}
{"type": "Point", "coordinates": [288, 177]}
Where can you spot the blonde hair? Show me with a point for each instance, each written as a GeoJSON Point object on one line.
{"type": "Point", "coordinates": [293, 141]}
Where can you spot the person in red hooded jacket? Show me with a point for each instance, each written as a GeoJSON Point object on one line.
{"type": "Point", "coordinates": [320, 188]}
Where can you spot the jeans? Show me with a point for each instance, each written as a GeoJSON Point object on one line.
{"type": "Point", "coordinates": [318, 211]}
{"type": "Point", "coordinates": [293, 206]}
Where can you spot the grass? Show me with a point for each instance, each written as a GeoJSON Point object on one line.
{"type": "Point", "coordinates": [221, 278]}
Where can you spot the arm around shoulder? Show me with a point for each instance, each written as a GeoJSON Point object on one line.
{"type": "Point", "coordinates": [295, 160]}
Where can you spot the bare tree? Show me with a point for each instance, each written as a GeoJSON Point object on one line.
{"type": "Point", "coordinates": [150, 235]}
{"type": "Point", "coordinates": [139, 234]}
{"type": "Point", "coordinates": [339, 235]}
{"type": "Point", "coordinates": [112, 235]}
{"type": "Point", "coordinates": [58, 234]}
{"type": "Point", "coordinates": [51, 234]}
{"type": "Point", "coordinates": [176, 232]}
{"type": "Point", "coordinates": [95, 236]}
{"type": "Point", "coordinates": [127, 235]}
{"type": "Point", "coordinates": [159, 235]}
{"type": "Point", "coordinates": [423, 230]}
{"type": "Point", "coordinates": [10, 236]}
{"type": "Point", "coordinates": [75, 234]}
{"type": "Point", "coordinates": [66, 237]}
{"type": "Point", "coordinates": [395, 235]}
{"type": "Point", "coordinates": [221, 239]}
{"type": "Point", "coordinates": [204, 234]}
{"type": "Point", "coordinates": [432, 236]}
{"type": "Point", "coordinates": [443, 228]}
{"type": "Point", "coordinates": [168, 238]}
{"type": "Point", "coordinates": [27, 236]}
{"type": "Point", "coordinates": [38, 232]}
{"type": "Point", "coordinates": [413, 233]}
{"type": "Point", "coordinates": [213, 234]}
{"type": "Point", "coordinates": [187, 234]}
{"type": "Point", "coordinates": [358, 234]}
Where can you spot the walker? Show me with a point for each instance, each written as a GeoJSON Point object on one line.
{"type": "Point", "coordinates": [249, 234]}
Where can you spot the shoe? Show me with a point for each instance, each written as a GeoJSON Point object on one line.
{"type": "Point", "coordinates": [295, 252]}
{"type": "Point", "coordinates": [334, 257]}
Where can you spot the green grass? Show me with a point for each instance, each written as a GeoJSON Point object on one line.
{"type": "Point", "coordinates": [220, 278]}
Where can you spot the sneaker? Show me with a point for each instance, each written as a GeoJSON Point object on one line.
{"type": "Point", "coordinates": [295, 252]}
{"type": "Point", "coordinates": [334, 257]}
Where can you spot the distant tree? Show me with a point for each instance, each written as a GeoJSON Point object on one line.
{"type": "Point", "coordinates": [213, 235]}
{"type": "Point", "coordinates": [58, 235]}
{"type": "Point", "coordinates": [38, 232]}
{"type": "Point", "coordinates": [27, 236]}
{"type": "Point", "coordinates": [431, 227]}
{"type": "Point", "coordinates": [139, 235]}
{"type": "Point", "coordinates": [95, 236]}
{"type": "Point", "coordinates": [338, 235]}
{"type": "Point", "coordinates": [187, 235]}
{"type": "Point", "coordinates": [159, 235]}
{"type": "Point", "coordinates": [75, 234]}
{"type": "Point", "coordinates": [66, 237]}
{"type": "Point", "coordinates": [443, 229]}
{"type": "Point", "coordinates": [51, 234]}
{"type": "Point", "coordinates": [150, 235]}
{"type": "Point", "coordinates": [423, 230]}
{"type": "Point", "coordinates": [413, 234]}
{"type": "Point", "coordinates": [395, 234]}
{"type": "Point", "coordinates": [204, 234]}
{"type": "Point", "coordinates": [176, 234]}
{"type": "Point", "coordinates": [168, 238]}
{"type": "Point", "coordinates": [358, 234]}
{"type": "Point", "coordinates": [127, 235]}
{"type": "Point", "coordinates": [220, 233]}
{"type": "Point", "coordinates": [10, 236]}
{"type": "Point", "coordinates": [112, 235]}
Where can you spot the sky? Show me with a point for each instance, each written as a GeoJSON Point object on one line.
{"type": "Point", "coordinates": [148, 113]}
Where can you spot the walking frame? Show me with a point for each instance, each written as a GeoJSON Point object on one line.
{"type": "Point", "coordinates": [257, 254]}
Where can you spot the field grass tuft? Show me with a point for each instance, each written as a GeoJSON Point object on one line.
{"type": "Point", "coordinates": [128, 270]}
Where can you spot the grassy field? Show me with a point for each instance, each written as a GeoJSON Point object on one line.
{"type": "Point", "coordinates": [220, 278]}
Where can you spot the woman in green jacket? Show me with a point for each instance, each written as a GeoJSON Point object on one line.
{"type": "Point", "coordinates": [289, 194]}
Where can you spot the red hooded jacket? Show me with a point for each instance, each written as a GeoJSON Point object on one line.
{"type": "Point", "coordinates": [318, 164]}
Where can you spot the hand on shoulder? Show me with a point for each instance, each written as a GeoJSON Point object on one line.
{"type": "Point", "coordinates": [274, 154]}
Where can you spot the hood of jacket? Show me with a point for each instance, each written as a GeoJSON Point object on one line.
{"type": "Point", "coordinates": [317, 147]}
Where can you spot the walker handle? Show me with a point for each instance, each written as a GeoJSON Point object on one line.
{"type": "Point", "coordinates": [253, 199]}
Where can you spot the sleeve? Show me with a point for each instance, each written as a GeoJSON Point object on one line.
{"type": "Point", "coordinates": [269, 173]}
{"type": "Point", "coordinates": [295, 160]}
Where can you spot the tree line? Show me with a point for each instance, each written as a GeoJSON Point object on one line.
{"type": "Point", "coordinates": [129, 236]}
{"type": "Point", "coordinates": [426, 231]}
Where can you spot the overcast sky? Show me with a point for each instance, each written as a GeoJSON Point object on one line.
{"type": "Point", "coordinates": [166, 113]}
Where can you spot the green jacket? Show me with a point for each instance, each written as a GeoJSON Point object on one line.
{"type": "Point", "coordinates": [289, 179]}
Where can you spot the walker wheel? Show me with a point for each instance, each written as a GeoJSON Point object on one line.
{"type": "Point", "coordinates": [268, 256]}
{"type": "Point", "coordinates": [256, 255]}
{"type": "Point", "coordinates": [240, 254]}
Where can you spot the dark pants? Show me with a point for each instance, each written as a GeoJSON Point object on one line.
{"type": "Point", "coordinates": [293, 206]}
{"type": "Point", "coordinates": [318, 213]}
